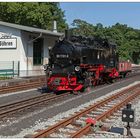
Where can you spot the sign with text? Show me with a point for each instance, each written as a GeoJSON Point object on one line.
{"type": "Point", "coordinates": [8, 43]}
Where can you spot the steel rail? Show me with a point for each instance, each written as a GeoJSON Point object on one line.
{"type": "Point", "coordinates": [28, 103]}
{"type": "Point", "coordinates": [19, 102]}
{"type": "Point", "coordinates": [51, 129]}
{"type": "Point", "coordinates": [105, 115]}
{"type": "Point", "coordinates": [19, 87]}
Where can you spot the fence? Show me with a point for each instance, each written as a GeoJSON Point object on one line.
{"type": "Point", "coordinates": [9, 68]}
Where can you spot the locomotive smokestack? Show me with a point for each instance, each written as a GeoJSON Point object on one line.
{"type": "Point", "coordinates": [54, 26]}
{"type": "Point", "coordinates": [67, 34]}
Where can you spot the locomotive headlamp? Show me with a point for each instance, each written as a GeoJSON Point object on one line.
{"type": "Point", "coordinates": [77, 68]}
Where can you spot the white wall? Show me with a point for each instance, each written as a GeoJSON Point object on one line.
{"type": "Point", "coordinates": [46, 51]}
{"type": "Point", "coordinates": [49, 41]}
{"type": "Point", "coordinates": [11, 54]}
{"type": "Point", "coordinates": [27, 38]}
{"type": "Point", "coordinates": [24, 49]}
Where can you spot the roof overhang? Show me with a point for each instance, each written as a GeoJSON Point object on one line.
{"type": "Point", "coordinates": [31, 29]}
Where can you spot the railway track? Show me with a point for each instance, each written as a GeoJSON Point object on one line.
{"type": "Point", "coordinates": [39, 83]}
{"type": "Point", "coordinates": [13, 108]}
{"type": "Point", "coordinates": [23, 86]}
{"type": "Point", "coordinates": [73, 127]}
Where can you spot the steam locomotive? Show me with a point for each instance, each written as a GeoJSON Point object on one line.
{"type": "Point", "coordinates": [77, 62]}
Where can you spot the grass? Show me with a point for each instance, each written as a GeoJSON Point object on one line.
{"type": "Point", "coordinates": [3, 77]}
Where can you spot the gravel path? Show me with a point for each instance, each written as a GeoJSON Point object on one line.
{"type": "Point", "coordinates": [136, 124]}
{"type": "Point", "coordinates": [117, 122]}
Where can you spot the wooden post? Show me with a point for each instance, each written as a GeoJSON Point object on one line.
{"type": "Point", "coordinates": [13, 68]}
{"type": "Point", "coordinates": [18, 67]}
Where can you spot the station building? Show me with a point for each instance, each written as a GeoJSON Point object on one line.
{"type": "Point", "coordinates": [25, 49]}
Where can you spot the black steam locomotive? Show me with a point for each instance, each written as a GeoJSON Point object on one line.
{"type": "Point", "coordinates": [80, 50]}
{"type": "Point", "coordinates": [78, 62]}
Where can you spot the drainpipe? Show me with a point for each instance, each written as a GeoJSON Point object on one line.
{"type": "Point", "coordinates": [30, 41]}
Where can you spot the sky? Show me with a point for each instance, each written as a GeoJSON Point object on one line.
{"type": "Point", "coordinates": [106, 13]}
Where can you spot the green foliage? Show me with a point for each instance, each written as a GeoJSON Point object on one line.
{"type": "Point", "coordinates": [38, 14]}
{"type": "Point", "coordinates": [82, 28]}
{"type": "Point", "coordinates": [42, 15]}
{"type": "Point", "coordinates": [127, 39]}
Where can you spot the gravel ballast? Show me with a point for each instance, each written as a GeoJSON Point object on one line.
{"type": "Point", "coordinates": [42, 123]}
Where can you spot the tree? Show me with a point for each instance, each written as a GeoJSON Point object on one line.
{"type": "Point", "coordinates": [126, 38]}
{"type": "Point", "coordinates": [38, 14]}
{"type": "Point", "coordinates": [82, 28]}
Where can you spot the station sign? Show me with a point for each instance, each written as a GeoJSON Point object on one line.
{"type": "Point", "coordinates": [8, 43]}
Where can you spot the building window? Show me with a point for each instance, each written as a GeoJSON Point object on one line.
{"type": "Point", "coordinates": [38, 52]}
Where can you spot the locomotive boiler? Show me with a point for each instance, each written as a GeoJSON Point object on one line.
{"type": "Point", "coordinates": [79, 62]}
